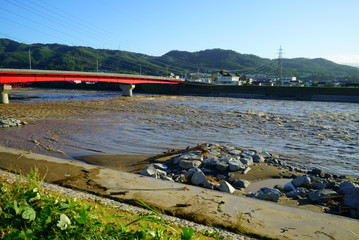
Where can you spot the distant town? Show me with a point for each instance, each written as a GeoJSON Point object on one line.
{"type": "Point", "coordinates": [227, 78]}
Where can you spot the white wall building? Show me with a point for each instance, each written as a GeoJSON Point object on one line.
{"type": "Point", "coordinates": [227, 78]}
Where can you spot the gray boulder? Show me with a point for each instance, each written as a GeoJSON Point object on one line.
{"type": "Point", "coordinates": [248, 160]}
{"type": "Point", "coordinates": [209, 185]}
{"type": "Point", "coordinates": [258, 158]}
{"type": "Point", "coordinates": [212, 161]}
{"type": "Point", "coordinates": [198, 178]}
{"type": "Point", "coordinates": [236, 165]}
{"type": "Point", "coordinates": [347, 187]}
{"type": "Point", "coordinates": [265, 154]}
{"type": "Point", "coordinates": [352, 198]}
{"type": "Point", "coordinates": [222, 166]}
{"type": "Point", "coordinates": [188, 175]}
{"type": "Point", "coordinates": [297, 193]}
{"type": "Point", "coordinates": [288, 187]}
{"type": "Point", "coordinates": [269, 194]}
{"type": "Point", "coordinates": [176, 160]}
{"type": "Point", "coordinates": [318, 185]}
{"type": "Point", "coordinates": [149, 171]}
{"type": "Point", "coordinates": [188, 164]}
{"type": "Point", "coordinates": [321, 195]}
{"type": "Point", "coordinates": [235, 152]}
{"type": "Point", "coordinates": [160, 166]}
{"type": "Point", "coordinates": [303, 181]}
{"type": "Point", "coordinates": [240, 183]}
{"type": "Point", "coordinates": [316, 171]}
{"type": "Point", "coordinates": [245, 171]}
{"type": "Point", "coordinates": [226, 187]}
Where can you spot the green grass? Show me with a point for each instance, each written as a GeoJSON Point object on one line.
{"type": "Point", "coordinates": [28, 211]}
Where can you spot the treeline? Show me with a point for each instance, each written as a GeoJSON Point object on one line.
{"type": "Point", "coordinates": [62, 57]}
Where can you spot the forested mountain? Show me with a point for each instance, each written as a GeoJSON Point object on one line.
{"type": "Point", "coordinates": [63, 57]}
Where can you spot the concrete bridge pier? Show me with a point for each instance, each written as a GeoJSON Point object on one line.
{"type": "Point", "coordinates": [127, 89]}
{"type": "Point", "coordinates": [4, 90]}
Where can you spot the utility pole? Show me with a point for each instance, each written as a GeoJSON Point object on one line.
{"type": "Point", "coordinates": [280, 64]}
{"type": "Point", "coordinates": [29, 59]}
{"type": "Point", "coordinates": [97, 64]}
{"type": "Point", "coordinates": [140, 68]}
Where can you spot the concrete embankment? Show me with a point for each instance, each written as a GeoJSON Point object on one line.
{"type": "Point", "coordinates": [276, 92]}
{"type": "Point", "coordinates": [251, 215]}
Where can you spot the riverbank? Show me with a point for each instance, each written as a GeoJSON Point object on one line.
{"type": "Point", "coordinates": [206, 206]}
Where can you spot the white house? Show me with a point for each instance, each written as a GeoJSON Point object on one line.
{"type": "Point", "coordinates": [227, 78]}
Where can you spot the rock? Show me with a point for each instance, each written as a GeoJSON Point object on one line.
{"type": "Point", "coordinates": [297, 193]}
{"type": "Point", "coordinates": [321, 195]}
{"type": "Point", "coordinates": [245, 171]}
{"type": "Point", "coordinates": [221, 177]}
{"type": "Point", "coordinates": [352, 198]}
{"type": "Point", "coordinates": [188, 164]}
{"type": "Point", "coordinates": [188, 175]}
{"type": "Point", "coordinates": [316, 171]}
{"type": "Point", "coordinates": [258, 158]}
{"type": "Point", "coordinates": [248, 160]}
{"type": "Point", "coordinates": [211, 161]}
{"type": "Point", "coordinates": [318, 185]}
{"type": "Point", "coordinates": [225, 159]}
{"type": "Point", "coordinates": [347, 187]}
{"type": "Point", "coordinates": [10, 122]}
{"type": "Point", "coordinates": [332, 185]}
{"type": "Point", "coordinates": [269, 194]}
{"type": "Point", "coordinates": [265, 154]}
{"type": "Point", "coordinates": [235, 152]}
{"type": "Point", "coordinates": [303, 181]}
{"type": "Point", "coordinates": [149, 171]}
{"type": "Point", "coordinates": [195, 155]}
{"type": "Point", "coordinates": [160, 166]}
{"type": "Point", "coordinates": [288, 187]}
{"type": "Point", "coordinates": [167, 178]}
{"type": "Point", "coordinates": [176, 160]}
{"type": "Point", "coordinates": [240, 183]}
{"type": "Point", "coordinates": [236, 165]}
{"type": "Point", "coordinates": [249, 153]}
{"type": "Point", "coordinates": [230, 175]}
{"type": "Point", "coordinates": [226, 187]}
{"type": "Point", "coordinates": [209, 185]}
{"type": "Point", "coordinates": [198, 178]}
{"type": "Point", "coordinates": [222, 166]}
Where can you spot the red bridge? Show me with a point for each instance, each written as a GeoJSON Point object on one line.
{"type": "Point", "coordinates": [127, 82]}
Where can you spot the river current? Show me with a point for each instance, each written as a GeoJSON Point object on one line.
{"type": "Point", "coordinates": [321, 134]}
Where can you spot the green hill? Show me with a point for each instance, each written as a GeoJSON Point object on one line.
{"type": "Point", "coordinates": [62, 57]}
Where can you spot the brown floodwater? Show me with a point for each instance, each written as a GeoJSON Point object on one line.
{"type": "Point", "coordinates": [319, 134]}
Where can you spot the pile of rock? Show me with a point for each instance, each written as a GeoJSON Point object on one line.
{"type": "Point", "coordinates": [211, 168]}
{"type": "Point", "coordinates": [334, 193]}
{"type": "Point", "coordinates": [9, 122]}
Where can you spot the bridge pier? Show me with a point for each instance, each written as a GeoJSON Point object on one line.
{"type": "Point", "coordinates": [127, 89]}
{"type": "Point", "coordinates": [4, 90]}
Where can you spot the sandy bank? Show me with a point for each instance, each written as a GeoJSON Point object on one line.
{"type": "Point", "coordinates": [261, 217]}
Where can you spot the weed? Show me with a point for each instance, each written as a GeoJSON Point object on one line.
{"type": "Point", "coordinates": [28, 212]}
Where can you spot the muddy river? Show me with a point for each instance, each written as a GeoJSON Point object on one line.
{"type": "Point", "coordinates": [321, 134]}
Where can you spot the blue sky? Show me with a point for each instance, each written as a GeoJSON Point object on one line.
{"type": "Point", "coordinates": [304, 28]}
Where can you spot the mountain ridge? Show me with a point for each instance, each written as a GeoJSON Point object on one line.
{"type": "Point", "coordinates": [81, 58]}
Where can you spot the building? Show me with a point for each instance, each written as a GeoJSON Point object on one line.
{"type": "Point", "coordinates": [228, 78]}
